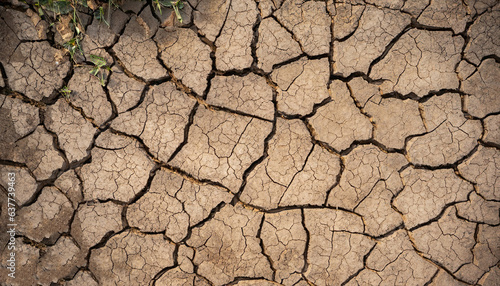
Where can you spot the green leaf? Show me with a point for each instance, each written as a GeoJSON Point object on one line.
{"type": "Point", "coordinates": [178, 5]}
{"type": "Point", "coordinates": [94, 71]}
{"type": "Point", "coordinates": [158, 5]}
{"type": "Point", "coordinates": [165, 3]}
{"type": "Point", "coordinates": [98, 61]}
{"type": "Point", "coordinates": [57, 6]}
{"type": "Point", "coordinates": [65, 91]}
{"type": "Point", "coordinates": [99, 15]}
{"type": "Point", "coordinates": [82, 3]}
{"type": "Point", "coordinates": [101, 79]}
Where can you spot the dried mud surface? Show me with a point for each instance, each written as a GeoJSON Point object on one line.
{"type": "Point", "coordinates": [270, 142]}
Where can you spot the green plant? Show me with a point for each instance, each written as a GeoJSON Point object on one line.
{"type": "Point", "coordinates": [64, 14]}
{"type": "Point", "coordinates": [99, 15]}
{"type": "Point", "coordinates": [63, 7]}
{"type": "Point", "coordinates": [157, 5]}
{"type": "Point", "coordinates": [58, 7]}
{"type": "Point", "coordinates": [65, 91]}
{"type": "Point", "coordinates": [99, 66]}
{"type": "Point", "coordinates": [73, 46]}
{"type": "Point", "coordinates": [76, 21]}
{"type": "Point", "coordinates": [175, 5]}
{"type": "Point", "coordinates": [100, 12]}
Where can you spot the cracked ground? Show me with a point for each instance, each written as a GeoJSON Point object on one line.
{"type": "Point", "coordinates": [261, 142]}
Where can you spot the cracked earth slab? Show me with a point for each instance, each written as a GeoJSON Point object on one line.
{"type": "Point", "coordinates": [124, 91]}
{"type": "Point", "coordinates": [25, 189]}
{"type": "Point", "coordinates": [426, 193]}
{"type": "Point", "coordinates": [186, 55]}
{"type": "Point", "coordinates": [222, 146]}
{"type": "Point", "coordinates": [284, 239]}
{"type": "Point", "coordinates": [339, 123]}
{"type": "Point", "coordinates": [420, 61]}
{"type": "Point", "coordinates": [484, 37]}
{"type": "Point", "coordinates": [19, 119]}
{"type": "Point", "coordinates": [173, 205]}
{"type": "Point", "coordinates": [44, 65]}
{"type": "Point", "coordinates": [375, 29]}
{"type": "Point", "coordinates": [39, 153]}
{"type": "Point", "coordinates": [88, 94]}
{"type": "Point", "coordinates": [137, 51]}
{"type": "Point", "coordinates": [329, 262]}
{"type": "Point", "coordinates": [447, 241]}
{"type": "Point", "coordinates": [234, 42]}
{"type": "Point", "coordinates": [272, 142]}
{"type": "Point", "coordinates": [250, 94]}
{"type": "Point", "coordinates": [394, 261]}
{"type": "Point", "coordinates": [24, 25]}
{"type": "Point", "coordinates": [160, 120]}
{"type": "Point", "coordinates": [482, 90]}
{"type": "Point", "coordinates": [450, 135]}
{"type": "Point", "coordinates": [74, 133]}
{"type": "Point", "coordinates": [275, 45]}
{"type": "Point", "coordinates": [119, 170]}
{"type": "Point", "coordinates": [446, 14]}
{"type": "Point", "coordinates": [369, 182]}
{"type": "Point", "coordinates": [295, 172]}
{"type": "Point", "coordinates": [227, 246]}
{"type": "Point", "coordinates": [309, 22]}
{"type": "Point", "coordinates": [482, 169]}
{"type": "Point", "coordinates": [48, 216]}
{"type": "Point", "coordinates": [301, 84]}
{"type": "Point", "coordinates": [394, 119]}
{"type": "Point", "coordinates": [131, 258]}
{"type": "Point", "coordinates": [93, 221]}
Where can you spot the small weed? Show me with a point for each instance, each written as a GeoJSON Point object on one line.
{"type": "Point", "coordinates": [100, 12]}
{"type": "Point", "coordinates": [99, 15]}
{"type": "Point", "coordinates": [65, 91]}
{"type": "Point", "coordinates": [76, 22]}
{"type": "Point", "coordinates": [176, 5]}
{"type": "Point", "coordinates": [157, 5]}
{"type": "Point", "coordinates": [73, 29]}
{"type": "Point", "coordinates": [99, 66]}
{"type": "Point", "coordinates": [58, 7]}
{"type": "Point", "coordinates": [73, 46]}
